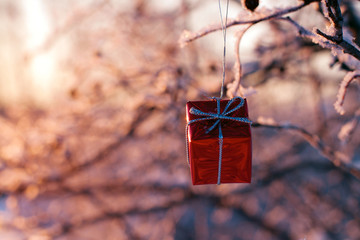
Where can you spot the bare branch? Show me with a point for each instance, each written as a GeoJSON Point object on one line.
{"type": "Point", "coordinates": [337, 158]}
{"type": "Point", "coordinates": [348, 129]}
{"type": "Point", "coordinates": [325, 40]}
{"type": "Point", "coordinates": [349, 77]}
{"type": "Point", "coordinates": [233, 89]}
{"type": "Point", "coordinates": [188, 37]}
{"type": "Point", "coordinates": [310, 35]}
{"type": "Point", "coordinates": [333, 14]}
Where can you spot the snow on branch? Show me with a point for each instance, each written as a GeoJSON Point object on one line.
{"type": "Point", "coordinates": [349, 77]}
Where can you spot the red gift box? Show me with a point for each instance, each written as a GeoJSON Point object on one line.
{"type": "Point", "coordinates": [218, 141]}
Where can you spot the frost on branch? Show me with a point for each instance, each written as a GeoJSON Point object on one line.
{"type": "Point", "coordinates": [348, 128]}
{"type": "Point", "coordinates": [185, 37]}
{"type": "Point", "coordinates": [342, 90]}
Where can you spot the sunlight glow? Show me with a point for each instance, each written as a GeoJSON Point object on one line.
{"type": "Point", "coordinates": [42, 65]}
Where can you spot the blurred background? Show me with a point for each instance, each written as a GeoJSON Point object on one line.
{"type": "Point", "coordinates": [92, 119]}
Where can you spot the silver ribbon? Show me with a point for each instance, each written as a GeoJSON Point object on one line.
{"type": "Point", "coordinates": [216, 116]}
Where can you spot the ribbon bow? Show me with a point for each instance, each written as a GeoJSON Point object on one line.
{"type": "Point", "coordinates": [217, 116]}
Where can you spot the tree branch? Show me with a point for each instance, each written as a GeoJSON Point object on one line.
{"type": "Point", "coordinates": [188, 37]}
{"type": "Point", "coordinates": [325, 40]}
{"type": "Point", "coordinates": [348, 129]}
{"type": "Point", "coordinates": [236, 84]}
{"type": "Point", "coordinates": [333, 14]}
{"type": "Point", "coordinates": [337, 158]}
{"type": "Point", "coordinates": [349, 77]}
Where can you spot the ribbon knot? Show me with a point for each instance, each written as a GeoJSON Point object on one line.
{"type": "Point", "coordinates": [217, 116]}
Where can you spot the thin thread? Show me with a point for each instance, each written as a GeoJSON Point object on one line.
{"type": "Point", "coordinates": [221, 140]}
{"type": "Point", "coordinates": [224, 35]}
{"type": "Point", "coordinates": [220, 143]}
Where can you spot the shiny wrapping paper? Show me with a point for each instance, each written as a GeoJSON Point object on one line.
{"type": "Point", "coordinates": [203, 148]}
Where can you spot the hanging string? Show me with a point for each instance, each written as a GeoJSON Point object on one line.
{"type": "Point", "coordinates": [224, 35]}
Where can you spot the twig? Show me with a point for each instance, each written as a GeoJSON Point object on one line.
{"type": "Point", "coordinates": [349, 77]}
{"type": "Point", "coordinates": [325, 40]}
{"type": "Point", "coordinates": [333, 14]}
{"type": "Point", "coordinates": [310, 35]}
{"type": "Point", "coordinates": [188, 37]}
{"type": "Point", "coordinates": [337, 158]}
{"type": "Point", "coordinates": [350, 49]}
{"type": "Point", "coordinates": [237, 65]}
{"type": "Point", "coordinates": [348, 129]}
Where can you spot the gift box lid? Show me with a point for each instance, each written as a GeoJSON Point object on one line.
{"type": "Point", "coordinates": [230, 128]}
